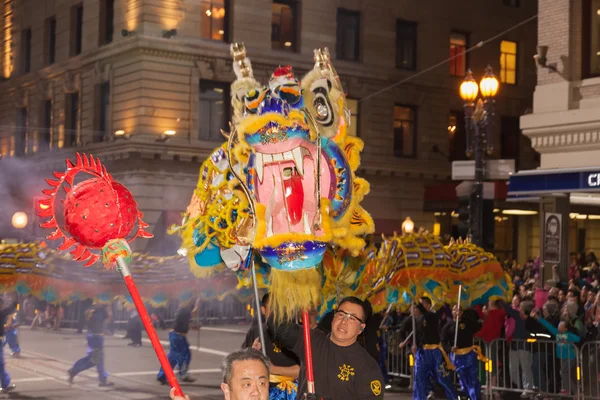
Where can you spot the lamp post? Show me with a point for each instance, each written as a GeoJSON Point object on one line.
{"type": "Point", "coordinates": [19, 221]}
{"type": "Point", "coordinates": [408, 225]}
{"type": "Point", "coordinates": [479, 123]}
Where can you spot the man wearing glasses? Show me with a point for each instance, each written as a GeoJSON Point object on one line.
{"type": "Point", "coordinates": [343, 369]}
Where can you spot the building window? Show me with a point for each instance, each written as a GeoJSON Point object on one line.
{"type": "Point", "coordinates": [214, 110]}
{"type": "Point", "coordinates": [457, 139]}
{"type": "Point", "coordinates": [214, 20]}
{"type": "Point", "coordinates": [26, 51]}
{"type": "Point", "coordinates": [71, 131]}
{"type": "Point", "coordinates": [405, 143]}
{"type": "Point", "coordinates": [458, 61]}
{"type": "Point", "coordinates": [284, 25]}
{"type": "Point", "coordinates": [102, 112]}
{"type": "Point", "coordinates": [45, 132]}
{"type": "Point", "coordinates": [512, 3]}
{"type": "Point", "coordinates": [348, 35]}
{"type": "Point", "coordinates": [76, 35]}
{"type": "Point", "coordinates": [510, 133]}
{"type": "Point", "coordinates": [50, 40]}
{"type": "Point", "coordinates": [591, 38]}
{"type": "Point", "coordinates": [107, 14]}
{"type": "Point", "coordinates": [21, 132]}
{"type": "Point", "coordinates": [508, 62]}
{"type": "Point", "coordinates": [352, 105]}
{"type": "Point", "coordinates": [406, 45]}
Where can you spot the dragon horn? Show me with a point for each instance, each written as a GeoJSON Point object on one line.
{"type": "Point", "coordinates": [241, 63]}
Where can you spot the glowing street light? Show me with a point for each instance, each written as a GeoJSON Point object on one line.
{"type": "Point", "coordinates": [408, 225]}
{"type": "Point", "coordinates": [19, 220]}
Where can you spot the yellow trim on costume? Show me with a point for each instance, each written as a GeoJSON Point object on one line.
{"type": "Point", "coordinates": [284, 383]}
{"type": "Point", "coordinates": [449, 364]}
{"type": "Point", "coordinates": [476, 349]}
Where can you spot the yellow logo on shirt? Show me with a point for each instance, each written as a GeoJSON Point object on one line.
{"type": "Point", "coordinates": [376, 387]}
{"type": "Point", "coordinates": [276, 348]}
{"type": "Point", "coordinates": [346, 371]}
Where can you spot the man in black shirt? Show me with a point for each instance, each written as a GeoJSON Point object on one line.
{"type": "Point", "coordinates": [431, 361]}
{"type": "Point", "coordinates": [343, 370]}
{"type": "Point", "coordinates": [285, 366]}
{"type": "Point", "coordinates": [97, 316]}
{"type": "Point", "coordinates": [179, 348]}
{"type": "Point", "coordinates": [465, 355]}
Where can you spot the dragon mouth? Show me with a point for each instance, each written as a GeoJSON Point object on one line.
{"type": "Point", "coordinates": [285, 183]}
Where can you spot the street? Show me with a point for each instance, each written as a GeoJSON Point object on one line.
{"type": "Point", "coordinates": [41, 372]}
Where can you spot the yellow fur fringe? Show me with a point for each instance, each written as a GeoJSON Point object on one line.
{"type": "Point", "coordinates": [292, 292]}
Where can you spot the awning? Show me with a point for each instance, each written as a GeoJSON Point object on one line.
{"type": "Point", "coordinates": [538, 182]}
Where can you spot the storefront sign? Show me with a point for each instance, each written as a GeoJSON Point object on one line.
{"type": "Point", "coordinates": [552, 239]}
{"type": "Point", "coordinates": [593, 180]}
{"type": "Point", "coordinates": [553, 181]}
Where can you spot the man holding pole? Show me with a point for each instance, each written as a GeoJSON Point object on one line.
{"type": "Point", "coordinates": [179, 348]}
{"type": "Point", "coordinates": [431, 361]}
{"type": "Point", "coordinates": [343, 370]}
{"type": "Point", "coordinates": [465, 355]}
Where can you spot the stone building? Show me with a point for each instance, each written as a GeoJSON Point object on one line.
{"type": "Point", "coordinates": [143, 84]}
{"type": "Point", "coordinates": [565, 126]}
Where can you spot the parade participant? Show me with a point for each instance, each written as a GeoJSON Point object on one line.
{"type": "Point", "coordinates": [342, 368]}
{"type": "Point", "coordinates": [11, 335]}
{"type": "Point", "coordinates": [97, 316]}
{"type": "Point", "coordinates": [465, 355]}
{"type": "Point", "coordinates": [179, 348]}
{"type": "Point", "coordinates": [431, 361]}
{"type": "Point", "coordinates": [134, 328]}
{"type": "Point", "coordinates": [5, 312]}
{"type": "Point", "coordinates": [285, 366]}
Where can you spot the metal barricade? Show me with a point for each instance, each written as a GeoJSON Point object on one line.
{"type": "Point", "coordinates": [590, 371]}
{"type": "Point", "coordinates": [399, 362]}
{"type": "Point", "coordinates": [534, 366]}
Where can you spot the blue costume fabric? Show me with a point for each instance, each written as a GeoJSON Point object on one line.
{"type": "Point", "coordinates": [431, 365]}
{"type": "Point", "coordinates": [11, 336]}
{"type": "Point", "coordinates": [467, 368]}
{"type": "Point", "coordinates": [283, 391]}
{"type": "Point", "coordinates": [94, 357]}
{"type": "Point", "coordinates": [4, 377]}
{"type": "Point", "coordinates": [179, 354]}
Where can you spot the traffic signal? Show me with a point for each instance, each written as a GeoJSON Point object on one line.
{"type": "Point", "coordinates": [38, 206]}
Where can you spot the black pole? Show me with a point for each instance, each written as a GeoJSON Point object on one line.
{"type": "Point", "coordinates": [476, 206]}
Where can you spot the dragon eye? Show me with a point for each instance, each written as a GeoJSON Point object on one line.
{"type": "Point", "coordinates": [323, 109]}
{"type": "Point", "coordinates": [291, 93]}
{"type": "Point", "coordinates": [253, 99]}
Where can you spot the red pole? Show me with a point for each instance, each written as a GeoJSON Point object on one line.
{"type": "Point", "coordinates": [141, 309]}
{"type": "Point", "coordinates": [310, 375]}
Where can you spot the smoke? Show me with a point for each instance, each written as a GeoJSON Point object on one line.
{"type": "Point", "coordinates": [20, 181]}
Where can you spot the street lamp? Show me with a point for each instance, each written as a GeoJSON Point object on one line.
{"type": "Point", "coordinates": [19, 221]}
{"type": "Point", "coordinates": [408, 225]}
{"type": "Point", "coordinates": [479, 124]}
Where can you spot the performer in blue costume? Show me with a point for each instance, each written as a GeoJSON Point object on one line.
{"type": "Point", "coordinates": [431, 361]}
{"type": "Point", "coordinates": [98, 314]}
{"type": "Point", "coordinates": [11, 334]}
{"type": "Point", "coordinates": [465, 356]}
{"type": "Point", "coordinates": [179, 348]}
